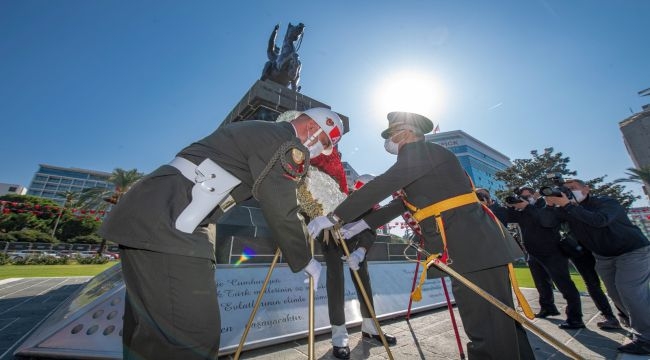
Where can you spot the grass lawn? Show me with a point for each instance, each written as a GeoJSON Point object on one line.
{"type": "Point", "coordinates": [526, 280]}
{"type": "Point", "coordinates": [23, 271]}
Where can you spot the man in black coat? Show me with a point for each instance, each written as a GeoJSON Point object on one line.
{"type": "Point", "coordinates": [621, 251]}
{"type": "Point", "coordinates": [430, 174]}
{"type": "Point", "coordinates": [168, 260]}
{"type": "Point", "coordinates": [547, 263]}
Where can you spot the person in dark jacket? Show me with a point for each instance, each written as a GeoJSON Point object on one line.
{"type": "Point", "coordinates": [621, 251]}
{"type": "Point", "coordinates": [168, 261]}
{"type": "Point", "coordinates": [497, 209]}
{"type": "Point", "coordinates": [546, 261]}
{"type": "Point", "coordinates": [430, 174]}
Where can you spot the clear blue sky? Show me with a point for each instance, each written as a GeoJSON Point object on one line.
{"type": "Point", "coordinates": [106, 84]}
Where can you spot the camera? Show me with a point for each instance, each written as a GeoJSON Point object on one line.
{"type": "Point", "coordinates": [515, 198]}
{"type": "Point", "coordinates": [558, 187]}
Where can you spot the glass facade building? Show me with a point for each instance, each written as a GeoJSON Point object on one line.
{"type": "Point", "coordinates": [351, 175]}
{"type": "Point", "coordinates": [51, 181]}
{"type": "Point", "coordinates": [480, 161]}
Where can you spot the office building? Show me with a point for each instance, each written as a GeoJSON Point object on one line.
{"type": "Point", "coordinates": [351, 175]}
{"type": "Point", "coordinates": [12, 189]}
{"type": "Point", "coordinates": [479, 160]}
{"type": "Point", "coordinates": [636, 135]}
{"type": "Point", "coordinates": [51, 181]}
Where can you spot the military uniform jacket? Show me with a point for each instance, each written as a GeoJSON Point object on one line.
{"type": "Point", "coordinates": [145, 216]}
{"type": "Point", "coordinates": [429, 173]}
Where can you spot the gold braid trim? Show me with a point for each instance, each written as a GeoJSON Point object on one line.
{"type": "Point", "coordinates": [279, 155]}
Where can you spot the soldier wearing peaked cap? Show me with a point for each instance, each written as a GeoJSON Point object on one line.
{"type": "Point", "coordinates": [406, 120]}
{"type": "Point", "coordinates": [431, 176]}
{"type": "Point", "coordinates": [168, 257]}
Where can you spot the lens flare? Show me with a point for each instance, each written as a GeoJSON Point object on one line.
{"type": "Point", "coordinates": [247, 253]}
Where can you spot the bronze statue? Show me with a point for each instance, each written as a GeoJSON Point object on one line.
{"type": "Point", "coordinates": [283, 66]}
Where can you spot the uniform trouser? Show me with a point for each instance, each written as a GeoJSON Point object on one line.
{"type": "Point", "coordinates": [492, 333]}
{"type": "Point", "coordinates": [335, 283]}
{"type": "Point", "coordinates": [171, 309]}
{"type": "Point", "coordinates": [554, 268]}
{"type": "Point", "coordinates": [627, 279]}
{"type": "Point", "coordinates": [586, 266]}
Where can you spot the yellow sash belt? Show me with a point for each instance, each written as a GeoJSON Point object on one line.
{"type": "Point", "coordinates": [436, 210]}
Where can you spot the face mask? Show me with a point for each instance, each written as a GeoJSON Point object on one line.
{"type": "Point", "coordinates": [391, 146]}
{"type": "Point", "coordinates": [578, 195]}
{"type": "Point", "coordinates": [316, 148]}
{"type": "Point", "coordinates": [531, 200]}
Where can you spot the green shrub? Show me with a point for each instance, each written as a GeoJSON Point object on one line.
{"type": "Point", "coordinates": [30, 235]}
{"type": "Point", "coordinates": [86, 239]}
{"type": "Point", "coordinates": [91, 260]}
{"type": "Point", "coordinates": [41, 260]}
{"type": "Point", "coordinates": [75, 228]}
{"type": "Point", "coordinates": [4, 259]}
{"type": "Point", "coordinates": [7, 237]}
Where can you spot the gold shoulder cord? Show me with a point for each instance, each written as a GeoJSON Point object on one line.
{"type": "Point", "coordinates": [279, 155]}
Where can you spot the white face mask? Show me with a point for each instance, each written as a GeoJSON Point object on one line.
{"type": "Point", "coordinates": [532, 200]}
{"type": "Point", "coordinates": [578, 195]}
{"type": "Point", "coordinates": [391, 146]}
{"type": "Point", "coordinates": [316, 148]}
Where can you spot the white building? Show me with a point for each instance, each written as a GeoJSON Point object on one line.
{"type": "Point", "coordinates": [12, 189]}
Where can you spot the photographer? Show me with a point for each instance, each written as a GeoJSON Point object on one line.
{"type": "Point", "coordinates": [546, 261]}
{"type": "Point", "coordinates": [621, 251]}
{"type": "Point", "coordinates": [499, 211]}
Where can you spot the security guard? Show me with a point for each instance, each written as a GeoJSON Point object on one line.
{"type": "Point", "coordinates": [172, 310]}
{"type": "Point", "coordinates": [453, 222]}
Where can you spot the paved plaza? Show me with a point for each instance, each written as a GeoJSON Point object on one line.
{"type": "Point", "coordinates": [25, 303]}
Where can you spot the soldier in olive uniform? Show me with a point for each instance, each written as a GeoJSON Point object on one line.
{"type": "Point", "coordinates": [171, 310]}
{"type": "Point", "coordinates": [478, 248]}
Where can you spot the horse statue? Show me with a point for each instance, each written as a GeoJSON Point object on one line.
{"type": "Point", "coordinates": [283, 66]}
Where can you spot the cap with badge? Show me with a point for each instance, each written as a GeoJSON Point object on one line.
{"type": "Point", "coordinates": [398, 120]}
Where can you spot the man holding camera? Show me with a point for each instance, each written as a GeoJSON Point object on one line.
{"type": "Point", "coordinates": [621, 251]}
{"type": "Point", "coordinates": [546, 261]}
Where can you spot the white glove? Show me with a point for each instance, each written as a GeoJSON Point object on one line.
{"type": "Point", "coordinates": [313, 269]}
{"type": "Point", "coordinates": [319, 224]}
{"type": "Point", "coordinates": [355, 258]}
{"type": "Point", "coordinates": [350, 229]}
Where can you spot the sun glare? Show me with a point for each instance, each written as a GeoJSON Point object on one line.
{"type": "Point", "coordinates": [409, 91]}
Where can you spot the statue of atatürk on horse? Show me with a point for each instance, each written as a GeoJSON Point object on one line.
{"type": "Point", "coordinates": [283, 66]}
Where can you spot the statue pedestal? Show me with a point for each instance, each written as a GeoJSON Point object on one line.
{"type": "Point", "coordinates": [265, 100]}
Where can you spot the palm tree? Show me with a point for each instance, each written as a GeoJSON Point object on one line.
{"type": "Point", "coordinates": [639, 176]}
{"type": "Point", "coordinates": [71, 199]}
{"type": "Point", "coordinates": [99, 198]}
{"type": "Point", "coordinates": [102, 198]}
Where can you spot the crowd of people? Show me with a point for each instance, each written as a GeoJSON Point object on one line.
{"type": "Point", "coordinates": [168, 260]}
{"type": "Point", "coordinates": [595, 235]}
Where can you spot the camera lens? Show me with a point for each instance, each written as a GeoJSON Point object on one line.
{"type": "Point", "coordinates": [546, 191]}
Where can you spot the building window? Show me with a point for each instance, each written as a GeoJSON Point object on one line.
{"type": "Point", "coordinates": [13, 188]}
